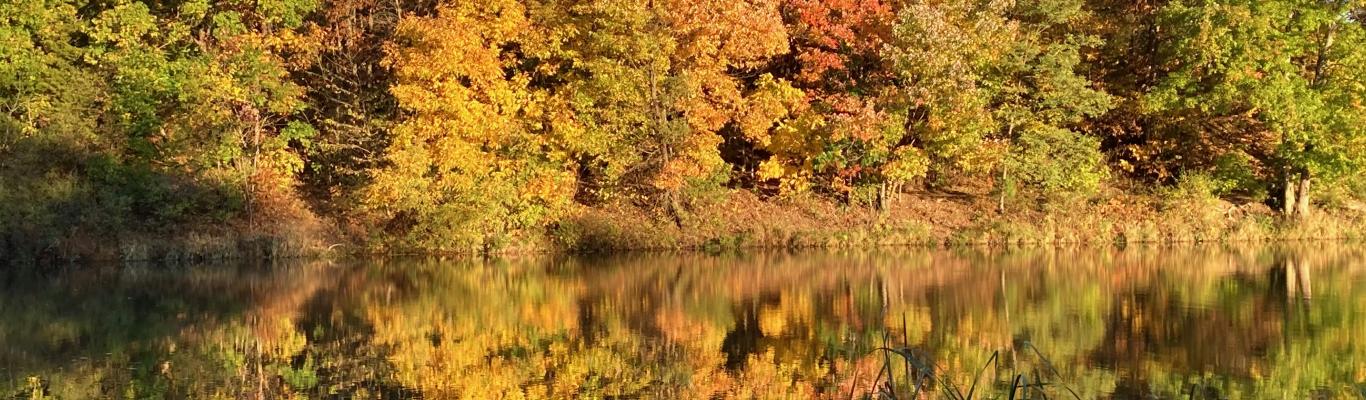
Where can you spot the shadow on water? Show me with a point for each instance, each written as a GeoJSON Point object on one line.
{"type": "Point", "coordinates": [193, 332]}
{"type": "Point", "coordinates": [1207, 323]}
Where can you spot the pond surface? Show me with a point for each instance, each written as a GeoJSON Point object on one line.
{"type": "Point", "coordinates": [1284, 322]}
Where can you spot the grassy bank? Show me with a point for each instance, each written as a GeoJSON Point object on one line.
{"type": "Point", "coordinates": [739, 219]}
{"type": "Point", "coordinates": [181, 247]}
{"type": "Point", "coordinates": [282, 232]}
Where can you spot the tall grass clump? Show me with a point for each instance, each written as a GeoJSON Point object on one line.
{"type": "Point", "coordinates": [907, 373]}
{"type": "Point", "coordinates": [1190, 209]}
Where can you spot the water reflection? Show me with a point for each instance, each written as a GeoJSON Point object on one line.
{"type": "Point", "coordinates": [1138, 323]}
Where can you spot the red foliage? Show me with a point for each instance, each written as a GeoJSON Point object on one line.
{"type": "Point", "coordinates": [837, 42]}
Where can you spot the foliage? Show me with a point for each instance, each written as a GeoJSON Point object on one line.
{"type": "Point", "coordinates": [1057, 161]}
{"type": "Point", "coordinates": [129, 116]}
{"type": "Point", "coordinates": [995, 83]}
{"type": "Point", "coordinates": [1194, 192]}
{"type": "Point", "coordinates": [1286, 73]}
{"type": "Point", "coordinates": [463, 125]}
{"type": "Point", "coordinates": [465, 167]}
{"type": "Point", "coordinates": [1300, 95]}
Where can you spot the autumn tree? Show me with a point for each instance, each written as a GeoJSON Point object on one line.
{"type": "Point", "coordinates": [838, 46]}
{"type": "Point", "coordinates": [467, 166]}
{"type": "Point", "coordinates": [712, 52]}
{"type": "Point", "coordinates": [998, 81]}
{"type": "Point", "coordinates": [461, 125]}
{"type": "Point", "coordinates": [1286, 73]}
{"type": "Point", "coordinates": [639, 91]}
{"type": "Point", "coordinates": [607, 69]}
{"type": "Point", "coordinates": [827, 128]}
{"type": "Point", "coordinates": [347, 90]}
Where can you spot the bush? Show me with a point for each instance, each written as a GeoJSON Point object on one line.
{"type": "Point", "coordinates": [1234, 174]}
{"type": "Point", "coordinates": [1344, 193]}
{"type": "Point", "coordinates": [1193, 191]}
{"type": "Point", "coordinates": [1055, 163]}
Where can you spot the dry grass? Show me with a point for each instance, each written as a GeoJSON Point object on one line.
{"type": "Point", "coordinates": [741, 220]}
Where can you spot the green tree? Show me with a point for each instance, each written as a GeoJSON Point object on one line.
{"type": "Point", "coordinates": [994, 81]}
{"type": "Point", "coordinates": [140, 116]}
{"type": "Point", "coordinates": [1290, 71]}
{"type": "Point", "coordinates": [46, 130]}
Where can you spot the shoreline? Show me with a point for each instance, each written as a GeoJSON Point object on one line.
{"type": "Point", "coordinates": [739, 220]}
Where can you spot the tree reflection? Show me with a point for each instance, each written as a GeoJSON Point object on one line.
{"type": "Point", "coordinates": [1138, 323]}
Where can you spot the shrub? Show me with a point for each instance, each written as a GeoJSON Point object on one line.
{"type": "Point", "coordinates": [1234, 173]}
{"type": "Point", "coordinates": [1193, 191]}
{"type": "Point", "coordinates": [1055, 163]}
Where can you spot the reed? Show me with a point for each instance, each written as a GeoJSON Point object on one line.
{"type": "Point", "coordinates": [921, 376]}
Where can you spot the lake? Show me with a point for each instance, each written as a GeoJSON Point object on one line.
{"type": "Point", "coordinates": [1186, 322]}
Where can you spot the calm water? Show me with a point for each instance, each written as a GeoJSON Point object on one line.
{"type": "Point", "coordinates": [1139, 323]}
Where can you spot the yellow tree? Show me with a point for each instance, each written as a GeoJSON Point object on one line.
{"type": "Point", "coordinates": [639, 90]}
{"type": "Point", "coordinates": [465, 168]}
{"type": "Point", "coordinates": [716, 39]}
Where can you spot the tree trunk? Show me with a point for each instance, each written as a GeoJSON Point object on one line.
{"type": "Point", "coordinates": [1288, 201]}
{"type": "Point", "coordinates": [1001, 187]}
{"type": "Point", "coordinates": [674, 208]}
{"type": "Point", "coordinates": [882, 197]}
{"type": "Point", "coordinates": [1302, 199]}
{"type": "Point", "coordinates": [251, 179]}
